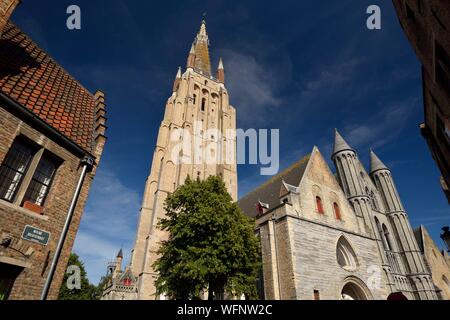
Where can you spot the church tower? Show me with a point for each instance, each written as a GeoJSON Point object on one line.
{"type": "Point", "coordinates": [348, 170]}
{"type": "Point", "coordinates": [416, 270]}
{"type": "Point", "coordinates": [197, 139]}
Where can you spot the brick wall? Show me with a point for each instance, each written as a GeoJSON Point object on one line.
{"type": "Point", "coordinates": [13, 218]}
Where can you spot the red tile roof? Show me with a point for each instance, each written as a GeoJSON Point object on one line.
{"type": "Point", "coordinates": [32, 78]}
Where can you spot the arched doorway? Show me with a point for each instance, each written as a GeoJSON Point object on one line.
{"type": "Point", "coordinates": [355, 289]}
{"type": "Point", "coordinates": [397, 296]}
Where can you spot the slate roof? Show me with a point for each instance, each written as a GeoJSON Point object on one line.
{"type": "Point", "coordinates": [269, 192]}
{"type": "Point", "coordinates": [32, 78]}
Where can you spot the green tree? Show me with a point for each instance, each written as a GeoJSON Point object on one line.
{"type": "Point", "coordinates": [211, 246]}
{"type": "Point", "coordinates": [87, 291]}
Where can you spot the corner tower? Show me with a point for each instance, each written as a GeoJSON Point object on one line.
{"type": "Point", "coordinates": [347, 166]}
{"type": "Point", "coordinates": [196, 138]}
{"type": "Point", "coordinates": [416, 270]}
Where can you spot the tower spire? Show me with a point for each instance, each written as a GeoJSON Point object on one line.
{"type": "Point", "coordinates": [375, 163]}
{"type": "Point", "coordinates": [202, 62]}
{"type": "Point", "coordinates": [339, 143]}
{"type": "Point", "coordinates": [177, 81]}
{"type": "Point", "coordinates": [220, 72]}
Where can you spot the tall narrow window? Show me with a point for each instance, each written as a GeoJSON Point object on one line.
{"type": "Point", "coordinates": [387, 237]}
{"type": "Point", "coordinates": [442, 63]}
{"type": "Point", "coordinates": [373, 201]}
{"type": "Point", "coordinates": [14, 168]}
{"type": "Point", "coordinates": [316, 295]}
{"type": "Point", "coordinates": [194, 100]}
{"type": "Point", "coordinates": [337, 211]}
{"type": "Point", "coordinates": [319, 205]}
{"type": "Point", "coordinates": [203, 104]}
{"type": "Point", "coordinates": [41, 181]}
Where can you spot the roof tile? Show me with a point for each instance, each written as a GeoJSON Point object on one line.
{"type": "Point", "coordinates": [32, 78]}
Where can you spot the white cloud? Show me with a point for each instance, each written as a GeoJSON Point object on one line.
{"type": "Point", "coordinates": [108, 224]}
{"type": "Point", "coordinates": [253, 87]}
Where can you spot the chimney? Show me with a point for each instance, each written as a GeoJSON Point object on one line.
{"type": "Point", "coordinates": [7, 7]}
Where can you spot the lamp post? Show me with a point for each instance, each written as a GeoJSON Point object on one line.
{"type": "Point", "coordinates": [445, 236]}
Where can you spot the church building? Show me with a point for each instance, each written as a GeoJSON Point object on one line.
{"type": "Point", "coordinates": [197, 116]}
{"type": "Point", "coordinates": [332, 237]}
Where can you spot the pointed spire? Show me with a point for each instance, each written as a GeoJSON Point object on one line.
{"type": "Point", "coordinates": [120, 254]}
{"type": "Point", "coordinates": [375, 163]}
{"type": "Point", "coordinates": [177, 81]}
{"type": "Point", "coordinates": [201, 49]}
{"type": "Point", "coordinates": [339, 143]}
{"type": "Point", "coordinates": [191, 57]}
{"type": "Point", "coordinates": [202, 31]}
{"type": "Point", "coordinates": [220, 72]}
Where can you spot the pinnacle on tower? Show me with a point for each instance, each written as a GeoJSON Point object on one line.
{"type": "Point", "coordinates": [120, 254]}
{"type": "Point", "coordinates": [339, 143]}
{"type": "Point", "coordinates": [220, 72]}
{"type": "Point", "coordinates": [191, 57]}
{"type": "Point", "coordinates": [202, 62]}
{"type": "Point", "coordinates": [220, 67]}
{"type": "Point", "coordinates": [178, 76]}
{"type": "Point", "coordinates": [375, 163]}
{"type": "Point", "coordinates": [177, 81]}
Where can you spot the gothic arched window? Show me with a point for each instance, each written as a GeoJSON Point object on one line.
{"type": "Point", "coordinates": [381, 234]}
{"type": "Point", "coordinates": [319, 205]}
{"type": "Point", "coordinates": [387, 237]}
{"type": "Point", "coordinates": [373, 200]}
{"type": "Point", "coordinates": [345, 255]}
{"type": "Point", "coordinates": [337, 211]}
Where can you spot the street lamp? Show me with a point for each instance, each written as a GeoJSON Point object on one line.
{"type": "Point", "coordinates": [445, 236]}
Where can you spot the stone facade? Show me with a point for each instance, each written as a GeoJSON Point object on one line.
{"type": "Point", "coordinates": [61, 122]}
{"type": "Point", "coordinates": [7, 7]}
{"type": "Point", "coordinates": [426, 24]}
{"type": "Point", "coordinates": [332, 237]}
{"type": "Point", "coordinates": [437, 261]}
{"type": "Point", "coordinates": [197, 113]}
{"type": "Point", "coordinates": [121, 284]}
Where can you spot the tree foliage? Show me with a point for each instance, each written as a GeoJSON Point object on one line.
{"type": "Point", "coordinates": [87, 291]}
{"type": "Point", "coordinates": [211, 246]}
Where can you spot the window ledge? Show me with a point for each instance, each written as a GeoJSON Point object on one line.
{"type": "Point", "coordinates": [23, 210]}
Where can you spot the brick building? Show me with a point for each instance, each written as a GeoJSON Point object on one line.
{"type": "Point", "coordinates": [52, 134]}
{"type": "Point", "coordinates": [426, 23]}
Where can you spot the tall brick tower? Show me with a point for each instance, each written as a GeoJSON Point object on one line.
{"type": "Point", "coordinates": [194, 139]}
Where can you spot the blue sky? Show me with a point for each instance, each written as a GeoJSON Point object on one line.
{"type": "Point", "coordinates": [305, 67]}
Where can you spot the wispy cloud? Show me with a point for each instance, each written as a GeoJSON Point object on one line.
{"type": "Point", "coordinates": [109, 222]}
{"type": "Point", "coordinates": [252, 86]}
{"type": "Point", "coordinates": [331, 78]}
{"type": "Point", "coordinates": [382, 127]}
